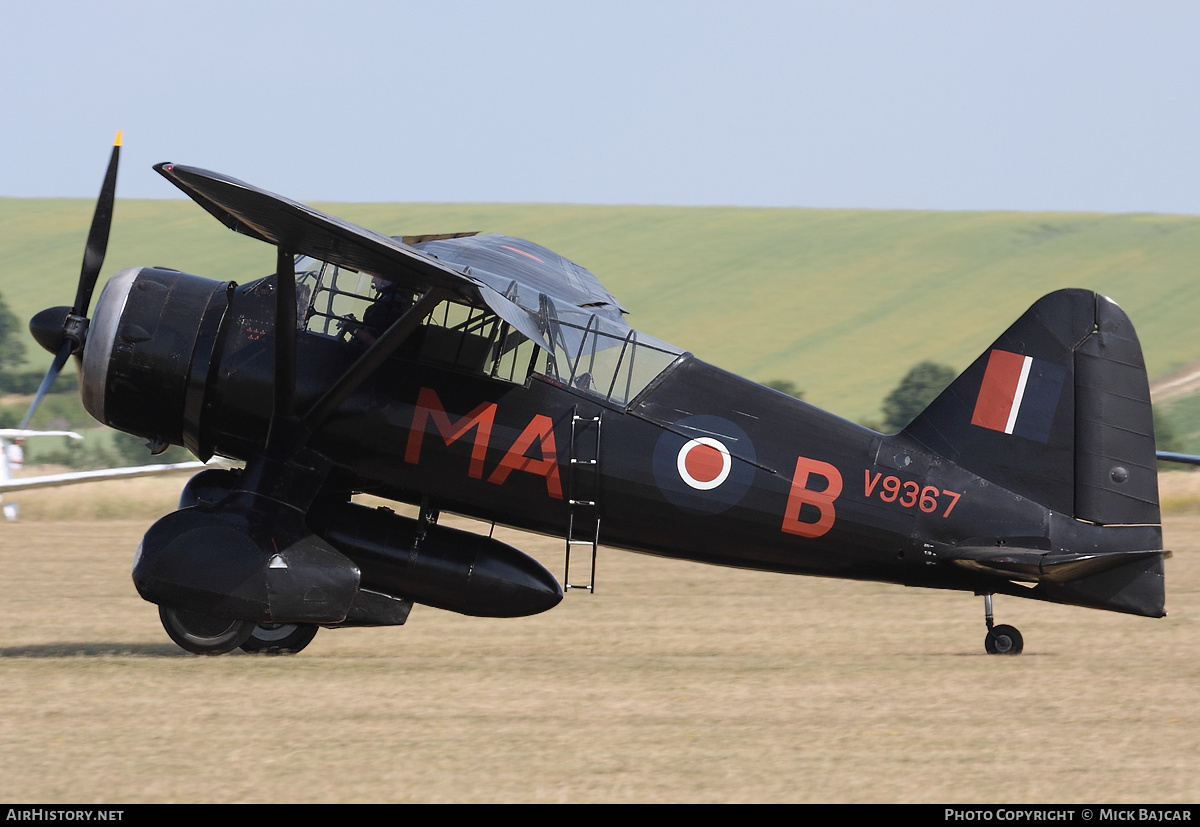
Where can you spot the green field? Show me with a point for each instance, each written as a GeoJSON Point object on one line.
{"type": "Point", "coordinates": [840, 302]}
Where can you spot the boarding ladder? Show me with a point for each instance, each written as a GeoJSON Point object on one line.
{"type": "Point", "coordinates": [583, 493]}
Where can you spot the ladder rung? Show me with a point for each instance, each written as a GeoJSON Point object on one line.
{"type": "Point", "coordinates": [573, 538]}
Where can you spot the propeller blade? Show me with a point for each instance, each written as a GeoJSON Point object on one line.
{"type": "Point", "coordinates": [60, 359]}
{"type": "Point", "coordinates": [97, 241]}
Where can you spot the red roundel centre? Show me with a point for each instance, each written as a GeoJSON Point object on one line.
{"type": "Point", "coordinates": [704, 463]}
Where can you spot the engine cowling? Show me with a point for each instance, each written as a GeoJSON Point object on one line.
{"type": "Point", "coordinates": [149, 351]}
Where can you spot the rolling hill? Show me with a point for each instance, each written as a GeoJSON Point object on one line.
{"type": "Point", "coordinates": [840, 302]}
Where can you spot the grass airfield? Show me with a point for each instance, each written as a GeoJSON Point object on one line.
{"type": "Point", "coordinates": [673, 682]}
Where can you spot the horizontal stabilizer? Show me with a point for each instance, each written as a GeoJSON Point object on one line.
{"type": "Point", "coordinates": [1118, 581]}
{"type": "Point", "coordinates": [1036, 566]}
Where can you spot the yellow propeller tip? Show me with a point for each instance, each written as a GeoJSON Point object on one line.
{"type": "Point", "coordinates": [117, 142]}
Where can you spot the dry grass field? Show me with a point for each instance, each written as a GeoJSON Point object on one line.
{"type": "Point", "coordinates": [673, 682]}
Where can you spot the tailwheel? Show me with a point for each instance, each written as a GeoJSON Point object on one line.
{"type": "Point", "coordinates": [1003, 640]}
{"type": "Point", "coordinates": [1000, 640]}
{"type": "Point", "coordinates": [279, 638]}
{"type": "Point", "coordinates": [203, 634]}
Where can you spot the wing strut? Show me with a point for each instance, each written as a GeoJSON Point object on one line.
{"type": "Point", "coordinates": [371, 360]}
{"type": "Point", "coordinates": [282, 431]}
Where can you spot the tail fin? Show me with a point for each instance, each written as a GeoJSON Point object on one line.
{"type": "Point", "coordinates": [1056, 410]}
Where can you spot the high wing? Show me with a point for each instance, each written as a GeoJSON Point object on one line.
{"type": "Point", "coordinates": [544, 290]}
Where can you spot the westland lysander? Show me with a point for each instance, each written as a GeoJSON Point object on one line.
{"type": "Point", "coordinates": [487, 376]}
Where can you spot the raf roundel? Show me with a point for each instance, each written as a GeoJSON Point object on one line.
{"type": "Point", "coordinates": [704, 463]}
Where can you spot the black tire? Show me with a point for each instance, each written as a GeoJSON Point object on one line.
{"type": "Point", "coordinates": [279, 638]}
{"type": "Point", "coordinates": [1003, 640]}
{"type": "Point", "coordinates": [203, 634]}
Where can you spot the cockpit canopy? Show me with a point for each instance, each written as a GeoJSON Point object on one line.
{"type": "Point", "coordinates": [587, 351]}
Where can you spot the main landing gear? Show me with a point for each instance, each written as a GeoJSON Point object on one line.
{"type": "Point", "coordinates": [203, 634]}
{"type": "Point", "coordinates": [1000, 640]}
{"type": "Point", "coordinates": [279, 638]}
{"type": "Point", "coordinates": [206, 635]}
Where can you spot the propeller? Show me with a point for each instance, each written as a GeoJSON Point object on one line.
{"type": "Point", "coordinates": [63, 330]}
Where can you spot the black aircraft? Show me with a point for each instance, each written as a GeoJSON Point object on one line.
{"type": "Point", "coordinates": [488, 376]}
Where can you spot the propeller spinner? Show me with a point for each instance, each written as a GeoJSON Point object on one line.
{"type": "Point", "coordinates": [63, 330]}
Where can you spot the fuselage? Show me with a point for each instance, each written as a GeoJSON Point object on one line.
{"type": "Point", "coordinates": [689, 462]}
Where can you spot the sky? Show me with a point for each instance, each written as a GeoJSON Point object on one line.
{"type": "Point", "coordinates": [955, 105]}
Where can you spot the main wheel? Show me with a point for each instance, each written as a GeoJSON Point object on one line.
{"type": "Point", "coordinates": [279, 638]}
{"type": "Point", "coordinates": [1003, 640]}
{"type": "Point", "coordinates": [203, 634]}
